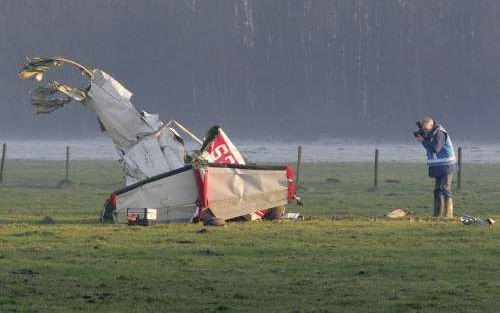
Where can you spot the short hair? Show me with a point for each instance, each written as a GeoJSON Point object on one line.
{"type": "Point", "coordinates": [426, 120]}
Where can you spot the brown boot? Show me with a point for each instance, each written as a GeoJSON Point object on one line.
{"type": "Point", "coordinates": [448, 207]}
{"type": "Point", "coordinates": [438, 206]}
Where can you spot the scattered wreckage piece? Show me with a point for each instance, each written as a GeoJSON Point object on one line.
{"type": "Point", "coordinates": [471, 220]}
{"type": "Point", "coordinates": [398, 214]}
{"type": "Point", "coordinates": [293, 217]}
{"type": "Point", "coordinates": [163, 183]}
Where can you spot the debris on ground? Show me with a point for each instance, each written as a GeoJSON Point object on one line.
{"type": "Point", "coordinates": [293, 217]}
{"type": "Point", "coordinates": [399, 213]}
{"type": "Point", "coordinates": [471, 220]}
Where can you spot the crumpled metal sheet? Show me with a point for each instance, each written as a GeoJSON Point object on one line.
{"type": "Point", "coordinates": [110, 100]}
{"type": "Point", "coordinates": [146, 148]}
{"type": "Point", "coordinates": [36, 68]}
{"type": "Point", "coordinates": [146, 159]}
{"type": "Point", "coordinates": [46, 99]}
{"type": "Point", "coordinates": [42, 98]}
{"type": "Point", "coordinates": [71, 92]}
{"type": "Point", "coordinates": [134, 134]}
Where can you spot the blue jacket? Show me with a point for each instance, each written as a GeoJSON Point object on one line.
{"type": "Point", "coordinates": [440, 154]}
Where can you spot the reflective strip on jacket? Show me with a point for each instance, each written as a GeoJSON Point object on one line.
{"type": "Point", "coordinates": [445, 156]}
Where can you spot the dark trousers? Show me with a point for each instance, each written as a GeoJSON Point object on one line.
{"type": "Point", "coordinates": [443, 186]}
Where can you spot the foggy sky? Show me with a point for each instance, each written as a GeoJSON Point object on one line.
{"type": "Point", "coordinates": [265, 68]}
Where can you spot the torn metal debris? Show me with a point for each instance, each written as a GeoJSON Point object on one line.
{"type": "Point", "coordinates": [471, 220]}
{"type": "Point", "coordinates": [160, 175]}
{"type": "Point", "coordinates": [398, 213]}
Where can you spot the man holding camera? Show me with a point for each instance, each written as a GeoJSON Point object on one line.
{"type": "Point", "coordinates": [441, 162]}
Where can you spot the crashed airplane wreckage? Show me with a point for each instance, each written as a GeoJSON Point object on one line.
{"type": "Point", "coordinates": [164, 183]}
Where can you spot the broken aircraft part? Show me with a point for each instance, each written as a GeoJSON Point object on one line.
{"type": "Point", "coordinates": [159, 174]}
{"type": "Point", "coordinates": [144, 151]}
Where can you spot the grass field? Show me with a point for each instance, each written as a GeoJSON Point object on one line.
{"type": "Point", "coordinates": [362, 263]}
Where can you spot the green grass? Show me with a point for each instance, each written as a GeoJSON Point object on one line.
{"type": "Point", "coordinates": [359, 264]}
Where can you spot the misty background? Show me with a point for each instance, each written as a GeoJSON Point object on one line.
{"type": "Point", "coordinates": [289, 69]}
